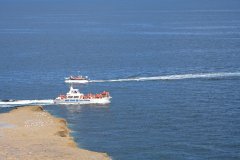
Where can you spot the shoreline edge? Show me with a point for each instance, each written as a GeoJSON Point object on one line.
{"type": "Point", "coordinates": [29, 132]}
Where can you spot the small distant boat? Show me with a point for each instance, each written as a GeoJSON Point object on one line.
{"type": "Point", "coordinates": [75, 97]}
{"type": "Point", "coordinates": [77, 79]}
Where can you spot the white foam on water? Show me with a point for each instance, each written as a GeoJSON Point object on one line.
{"type": "Point", "coordinates": [26, 102]}
{"type": "Point", "coordinates": [175, 77]}
{"type": "Point", "coordinates": [155, 78]}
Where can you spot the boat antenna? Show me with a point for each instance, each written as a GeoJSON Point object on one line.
{"type": "Point", "coordinates": [71, 86]}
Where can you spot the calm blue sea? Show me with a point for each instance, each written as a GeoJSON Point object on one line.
{"type": "Point", "coordinates": [43, 41]}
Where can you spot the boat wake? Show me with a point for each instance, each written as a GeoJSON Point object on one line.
{"type": "Point", "coordinates": [175, 77]}
{"type": "Point", "coordinates": [13, 103]}
{"type": "Point", "coordinates": [219, 75]}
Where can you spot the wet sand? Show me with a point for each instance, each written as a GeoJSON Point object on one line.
{"type": "Point", "coordinates": [29, 133]}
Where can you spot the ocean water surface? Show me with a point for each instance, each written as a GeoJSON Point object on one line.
{"type": "Point", "coordinates": [172, 69]}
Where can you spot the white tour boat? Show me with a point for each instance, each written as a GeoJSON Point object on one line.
{"type": "Point", "coordinates": [76, 97]}
{"type": "Point", "coordinates": [77, 79]}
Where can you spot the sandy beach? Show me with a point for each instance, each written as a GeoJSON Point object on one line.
{"type": "Point", "coordinates": [30, 133]}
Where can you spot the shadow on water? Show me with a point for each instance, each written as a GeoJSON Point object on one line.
{"type": "Point", "coordinates": [79, 108]}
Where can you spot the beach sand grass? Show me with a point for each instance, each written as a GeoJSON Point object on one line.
{"type": "Point", "coordinates": [30, 133]}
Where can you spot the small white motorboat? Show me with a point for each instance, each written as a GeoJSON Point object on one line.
{"type": "Point", "coordinates": [77, 79]}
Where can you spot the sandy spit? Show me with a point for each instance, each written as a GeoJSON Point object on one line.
{"type": "Point", "coordinates": [30, 133]}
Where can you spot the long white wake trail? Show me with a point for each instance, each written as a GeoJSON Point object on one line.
{"type": "Point", "coordinates": [25, 102]}
{"type": "Point", "coordinates": [175, 77]}
{"type": "Point", "coordinates": [155, 78]}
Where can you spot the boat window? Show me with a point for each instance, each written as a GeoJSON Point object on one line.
{"type": "Point", "coordinates": [70, 96]}
{"type": "Point", "coordinates": [76, 96]}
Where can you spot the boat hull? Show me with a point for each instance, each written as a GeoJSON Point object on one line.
{"type": "Point", "coordinates": [82, 101]}
{"type": "Point", "coordinates": [76, 81]}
